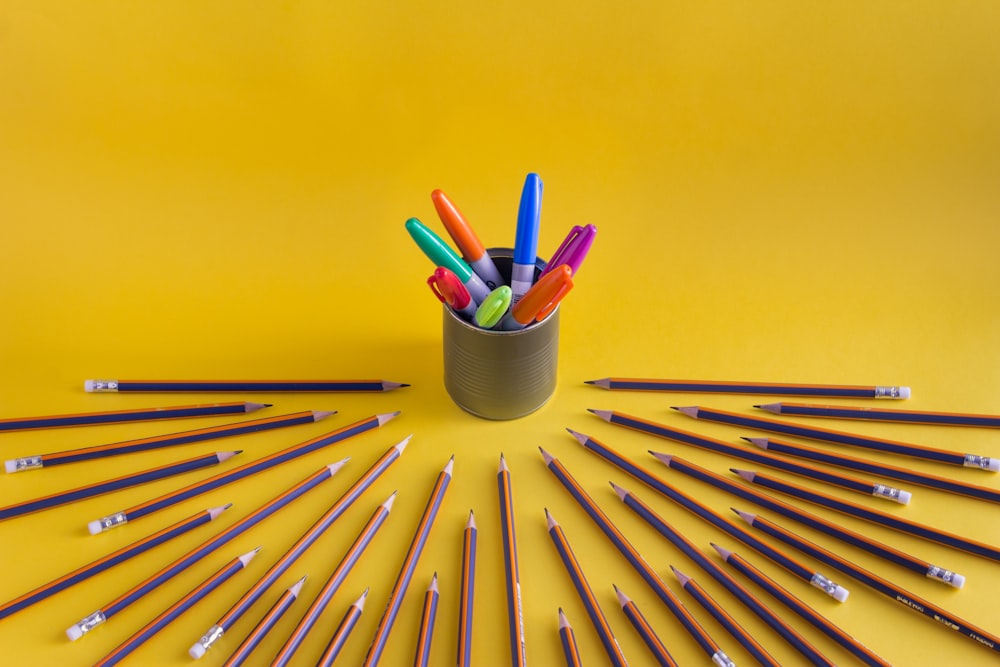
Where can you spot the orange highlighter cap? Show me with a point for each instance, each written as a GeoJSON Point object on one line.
{"type": "Point", "coordinates": [544, 295]}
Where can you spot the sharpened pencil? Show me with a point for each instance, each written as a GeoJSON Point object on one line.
{"type": "Point", "coordinates": [264, 626]}
{"type": "Point", "coordinates": [774, 388]}
{"type": "Point", "coordinates": [876, 414]}
{"type": "Point", "coordinates": [126, 416]}
{"type": "Point", "coordinates": [343, 631]}
{"type": "Point", "coordinates": [467, 592]}
{"type": "Point", "coordinates": [425, 634]}
{"type": "Point", "coordinates": [873, 581]}
{"type": "Point", "coordinates": [240, 386]}
{"type": "Point", "coordinates": [512, 579]}
{"type": "Point", "coordinates": [568, 640]}
{"type": "Point", "coordinates": [645, 630]}
{"type": "Point", "coordinates": [841, 438]}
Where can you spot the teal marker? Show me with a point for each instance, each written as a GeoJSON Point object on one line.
{"type": "Point", "coordinates": [441, 254]}
{"type": "Point", "coordinates": [493, 307]}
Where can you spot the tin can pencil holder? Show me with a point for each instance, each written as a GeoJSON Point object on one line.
{"type": "Point", "coordinates": [501, 374]}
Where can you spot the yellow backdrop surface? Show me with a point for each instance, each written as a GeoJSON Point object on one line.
{"type": "Point", "coordinates": [784, 191]}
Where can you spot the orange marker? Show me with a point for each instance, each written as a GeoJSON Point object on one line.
{"type": "Point", "coordinates": [540, 300]}
{"type": "Point", "coordinates": [465, 238]}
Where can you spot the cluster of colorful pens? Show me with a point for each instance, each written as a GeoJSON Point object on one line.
{"type": "Point", "coordinates": [475, 288]}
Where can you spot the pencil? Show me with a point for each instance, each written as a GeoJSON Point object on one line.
{"type": "Point", "coordinates": [576, 575]}
{"type": "Point", "coordinates": [125, 416]}
{"type": "Point", "coordinates": [264, 626]}
{"type": "Point", "coordinates": [160, 441]}
{"type": "Point", "coordinates": [425, 634]}
{"type": "Point", "coordinates": [107, 562]}
{"type": "Point", "coordinates": [220, 386]}
{"type": "Point", "coordinates": [343, 631]}
{"type": "Point", "coordinates": [112, 485]}
{"type": "Point", "coordinates": [409, 565]}
{"type": "Point", "coordinates": [841, 438]}
{"type": "Point", "coordinates": [470, 538]}
{"type": "Point", "coordinates": [568, 640]}
{"type": "Point", "coordinates": [873, 581]}
{"type": "Point", "coordinates": [778, 389]}
{"type": "Point", "coordinates": [879, 469]}
{"type": "Point", "coordinates": [333, 583]}
{"type": "Point", "coordinates": [512, 579]}
{"type": "Point", "coordinates": [873, 414]}
{"type": "Point", "coordinates": [251, 468]}
{"type": "Point", "coordinates": [648, 574]}
{"type": "Point", "coordinates": [107, 611]}
{"type": "Point", "coordinates": [751, 602]}
{"type": "Point", "coordinates": [700, 510]}
{"type": "Point", "coordinates": [778, 592]}
{"type": "Point", "coordinates": [858, 540]}
{"type": "Point", "coordinates": [176, 609]}
{"type": "Point", "coordinates": [855, 484]}
{"type": "Point", "coordinates": [645, 630]}
{"type": "Point", "coordinates": [881, 518]}
{"type": "Point", "coordinates": [308, 538]}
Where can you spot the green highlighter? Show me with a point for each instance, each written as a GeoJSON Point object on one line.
{"type": "Point", "coordinates": [441, 254]}
{"type": "Point", "coordinates": [493, 307]}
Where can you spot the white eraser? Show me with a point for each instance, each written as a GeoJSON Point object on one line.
{"type": "Point", "coordinates": [903, 498]}
{"type": "Point", "coordinates": [95, 527]}
{"type": "Point", "coordinates": [957, 580]}
{"type": "Point", "coordinates": [904, 392]}
{"type": "Point", "coordinates": [10, 466]}
{"type": "Point", "coordinates": [840, 593]}
{"type": "Point", "coordinates": [197, 651]}
{"type": "Point", "coordinates": [994, 465]}
{"type": "Point", "coordinates": [74, 632]}
{"type": "Point", "coordinates": [88, 385]}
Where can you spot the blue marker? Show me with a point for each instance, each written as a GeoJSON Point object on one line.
{"type": "Point", "coordinates": [529, 212]}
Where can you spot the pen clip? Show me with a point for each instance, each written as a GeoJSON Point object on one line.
{"type": "Point", "coordinates": [564, 248]}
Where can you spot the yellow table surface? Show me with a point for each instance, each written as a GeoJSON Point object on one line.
{"type": "Point", "coordinates": [784, 192]}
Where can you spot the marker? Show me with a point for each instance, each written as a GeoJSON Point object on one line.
{"type": "Point", "coordinates": [441, 254]}
{"type": "Point", "coordinates": [493, 307]}
{"type": "Point", "coordinates": [450, 290]}
{"type": "Point", "coordinates": [522, 273]}
{"type": "Point", "coordinates": [466, 239]}
{"type": "Point", "coordinates": [540, 300]}
{"type": "Point", "coordinates": [573, 249]}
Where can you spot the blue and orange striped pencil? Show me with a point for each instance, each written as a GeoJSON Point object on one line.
{"type": "Point", "coordinates": [127, 416]}
{"type": "Point", "coordinates": [568, 640]}
{"type": "Point", "coordinates": [794, 567]}
{"type": "Point", "coordinates": [422, 655]}
{"type": "Point", "coordinates": [333, 583]}
{"type": "Point", "coordinates": [648, 574]}
{"type": "Point", "coordinates": [645, 630]}
{"type": "Point", "coordinates": [877, 414]}
{"type": "Point", "coordinates": [409, 564]}
{"type": "Point", "coordinates": [175, 610]}
{"type": "Point", "coordinates": [830, 528]}
{"type": "Point", "coordinates": [247, 469]}
{"type": "Point", "coordinates": [264, 626]}
{"type": "Point", "coordinates": [865, 487]}
{"type": "Point", "coordinates": [158, 442]}
{"type": "Point", "coordinates": [114, 558]}
{"type": "Point", "coordinates": [583, 589]}
{"type": "Point", "coordinates": [241, 386]}
{"type": "Point", "coordinates": [107, 611]}
{"type": "Point", "coordinates": [772, 388]}
{"type": "Point", "coordinates": [112, 485]}
{"type": "Point", "coordinates": [319, 527]}
{"type": "Point", "coordinates": [467, 592]}
{"type": "Point", "coordinates": [921, 452]}
{"type": "Point", "coordinates": [512, 578]}
{"type": "Point", "coordinates": [343, 631]}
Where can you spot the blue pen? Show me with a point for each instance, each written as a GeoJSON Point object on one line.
{"type": "Point", "coordinates": [529, 212]}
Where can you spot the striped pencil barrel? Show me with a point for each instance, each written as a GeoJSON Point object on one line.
{"type": "Point", "coordinates": [174, 611]}
{"type": "Point", "coordinates": [467, 592]}
{"type": "Point", "coordinates": [264, 626]}
{"type": "Point", "coordinates": [114, 558]}
{"type": "Point", "coordinates": [409, 565]}
{"type": "Point", "coordinates": [711, 444]}
{"type": "Point", "coordinates": [873, 581]}
{"type": "Point", "coordinates": [883, 551]}
{"type": "Point", "coordinates": [842, 438]}
{"type": "Point", "coordinates": [251, 468]}
{"type": "Point", "coordinates": [700, 510]}
{"type": "Point", "coordinates": [583, 589]}
{"type": "Point", "coordinates": [161, 441]}
{"type": "Point", "coordinates": [321, 525]}
{"type": "Point", "coordinates": [567, 638]}
{"type": "Point", "coordinates": [107, 611]}
{"type": "Point", "coordinates": [874, 414]}
{"type": "Point", "coordinates": [645, 630]}
{"type": "Point", "coordinates": [881, 518]}
{"type": "Point", "coordinates": [333, 583]}
{"type": "Point", "coordinates": [191, 386]}
{"type": "Point", "coordinates": [772, 388]}
{"type": "Point", "coordinates": [512, 579]}
{"type": "Point", "coordinates": [343, 631]}
{"type": "Point", "coordinates": [778, 592]}
{"type": "Point", "coordinates": [112, 485]}
{"type": "Point", "coordinates": [879, 469]}
{"type": "Point", "coordinates": [425, 634]}
{"type": "Point", "coordinates": [128, 416]}
{"type": "Point", "coordinates": [648, 574]}
{"type": "Point", "coordinates": [793, 638]}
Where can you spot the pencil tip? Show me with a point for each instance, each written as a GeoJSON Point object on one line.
{"type": "Point", "coordinates": [745, 474]}
{"type": "Point", "coordinates": [690, 411]}
{"type": "Point", "coordinates": [665, 459]}
{"type": "Point", "coordinates": [471, 523]}
{"type": "Point", "coordinates": [681, 577]}
{"type": "Point", "coordinates": [603, 383]}
{"type": "Point", "coordinates": [619, 490]}
{"type": "Point", "coordinates": [450, 466]}
{"type": "Point", "coordinates": [549, 520]}
{"type": "Point", "coordinates": [388, 502]}
{"type": "Point", "coordinates": [503, 464]}
{"type": "Point", "coordinates": [546, 456]}
{"type": "Point", "coordinates": [725, 553]}
{"type": "Point", "coordinates": [386, 417]}
{"type": "Point", "coordinates": [322, 414]}
{"type": "Point", "coordinates": [581, 438]}
{"type": "Point", "coordinates": [401, 445]}
{"type": "Point", "coordinates": [603, 414]}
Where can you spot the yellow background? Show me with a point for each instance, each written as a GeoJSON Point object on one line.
{"type": "Point", "coordinates": [785, 191]}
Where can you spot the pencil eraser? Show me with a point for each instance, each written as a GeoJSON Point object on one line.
{"type": "Point", "coordinates": [903, 497]}
{"type": "Point", "coordinates": [10, 466]}
{"type": "Point", "coordinates": [74, 632]}
{"type": "Point", "coordinates": [957, 580]}
{"type": "Point", "coordinates": [904, 392]}
{"type": "Point", "coordinates": [994, 465]}
{"type": "Point", "coordinates": [88, 385]}
{"type": "Point", "coordinates": [840, 593]}
{"type": "Point", "coordinates": [197, 651]}
{"type": "Point", "coordinates": [95, 527]}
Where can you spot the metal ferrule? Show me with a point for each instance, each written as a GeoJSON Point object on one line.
{"type": "Point", "coordinates": [887, 392]}
{"type": "Point", "coordinates": [722, 660]}
{"type": "Point", "coordinates": [27, 463]}
{"type": "Point", "coordinates": [883, 491]}
{"type": "Point", "coordinates": [90, 622]}
{"type": "Point", "coordinates": [935, 572]}
{"type": "Point", "coordinates": [824, 584]}
{"type": "Point", "coordinates": [104, 386]}
{"type": "Point", "coordinates": [974, 461]}
{"type": "Point", "coordinates": [112, 521]}
{"type": "Point", "coordinates": [212, 636]}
